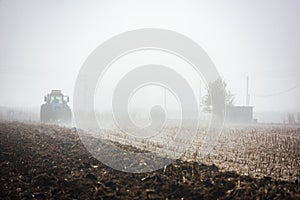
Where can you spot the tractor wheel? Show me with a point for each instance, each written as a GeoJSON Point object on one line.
{"type": "Point", "coordinates": [44, 115]}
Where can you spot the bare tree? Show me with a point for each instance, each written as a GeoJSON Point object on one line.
{"type": "Point", "coordinates": [218, 97]}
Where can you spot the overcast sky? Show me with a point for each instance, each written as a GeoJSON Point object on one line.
{"type": "Point", "coordinates": [44, 43]}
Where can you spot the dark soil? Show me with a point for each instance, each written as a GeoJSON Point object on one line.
{"type": "Point", "coordinates": [50, 162]}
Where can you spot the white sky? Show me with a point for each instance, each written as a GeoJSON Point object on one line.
{"type": "Point", "coordinates": [44, 43]}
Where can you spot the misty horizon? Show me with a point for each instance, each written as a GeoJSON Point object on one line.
{"type": "Point", "coordinates": [255, 39]}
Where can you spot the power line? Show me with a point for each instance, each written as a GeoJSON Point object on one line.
{"type": "Point", "coordinates": [278, 93]}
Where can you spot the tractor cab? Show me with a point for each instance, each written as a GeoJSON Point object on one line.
{"type": "Point", "coordinates": [56, 108]}
{"type": "Point", "coordinates": [56, 96]}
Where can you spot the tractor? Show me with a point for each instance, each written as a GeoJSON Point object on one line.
{"type": "Point", "coordinates": [55, 109]}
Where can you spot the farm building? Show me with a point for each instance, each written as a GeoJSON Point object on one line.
{"type": "Point", "coordinates": [239, 114]}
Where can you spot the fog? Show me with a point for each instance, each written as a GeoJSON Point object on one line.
{"type": "Point", "coordinates": [45, 43]}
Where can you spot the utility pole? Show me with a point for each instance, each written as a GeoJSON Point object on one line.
{"type": "Point", "coordinates": [247, 92]}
